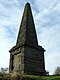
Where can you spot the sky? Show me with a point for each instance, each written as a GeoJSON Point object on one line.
{"type": "Point", "coordinates": [46, 14]}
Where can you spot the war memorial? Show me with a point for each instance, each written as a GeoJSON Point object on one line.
{"type": "Point", "coordinates": [27, 56]}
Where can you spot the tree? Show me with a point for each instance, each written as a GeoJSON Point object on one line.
{"type": "Point", "coordinates": [4, 70]}
{"type": "Point", "coordinates": [57, 71]}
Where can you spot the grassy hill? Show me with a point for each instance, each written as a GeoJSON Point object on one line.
{"type": "Point", "coordinates": [16, 76]}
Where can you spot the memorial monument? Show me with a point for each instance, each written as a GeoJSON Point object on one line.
{"type": "Point", "coordinates": [27, 56]}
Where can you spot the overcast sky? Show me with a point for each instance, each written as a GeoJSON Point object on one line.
{"type": "Point", "coordinates": [46, 14]}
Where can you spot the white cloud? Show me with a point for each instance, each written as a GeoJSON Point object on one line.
{"type": "Point", "coordinates": [48, 32]}
{"type": "Point", "coordinates": [49, 38]}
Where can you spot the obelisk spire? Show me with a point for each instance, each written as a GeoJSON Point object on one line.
{"type": "Point", "coordinates": [27, 57]}
{"type": "Point", "coordinates": [27, 33]}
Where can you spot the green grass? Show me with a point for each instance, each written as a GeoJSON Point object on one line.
{"type": "Point", "coordinates": [17, 76]}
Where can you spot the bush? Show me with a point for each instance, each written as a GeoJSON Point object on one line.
{"type": "Point", "coordinates": [17, 76]}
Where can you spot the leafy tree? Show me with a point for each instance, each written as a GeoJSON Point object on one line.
{"type": "Point", "coordinates": [4, 70]}
{"type": "Point", "coordinates": [57, 71]}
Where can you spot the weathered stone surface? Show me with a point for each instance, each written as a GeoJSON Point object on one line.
{"type": "Point", "coordinates": [34, 61]}
{"type": "Point", "coordinates": [27, 56]}
{"type": "Point", "coordinates": [16, 62]}
{"type": "Point", "coordinates": [27, 33]}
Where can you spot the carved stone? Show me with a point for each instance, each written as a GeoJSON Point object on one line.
{"type": "Point", "coordinates": [27, 56]}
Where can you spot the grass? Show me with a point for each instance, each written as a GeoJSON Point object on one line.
{"type": "Point", "coordinates": [17, 76]}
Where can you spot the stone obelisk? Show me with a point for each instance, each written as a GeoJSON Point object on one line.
{"type": "Point", "coordinates": [27, 56]}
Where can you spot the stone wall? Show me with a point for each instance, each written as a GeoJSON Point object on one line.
{"type": "Point", "coordinates": [17, 60]}
{"type": "Point", "coordinates": [27, 60]}
{"type": "Point", "coordinates": [34, 62]}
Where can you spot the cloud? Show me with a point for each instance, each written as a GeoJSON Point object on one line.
{"type": "Point", "coordinates": [8, 26]}
{"type": "Point", "coordinates": [48, 31]}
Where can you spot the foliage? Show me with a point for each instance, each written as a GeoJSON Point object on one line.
{"type": "Point", "coordinates": [4, 70]}
{"type": "Point", "coordinates": [17, 76]}
{"type": "Point", "coordinates": [57, 71]}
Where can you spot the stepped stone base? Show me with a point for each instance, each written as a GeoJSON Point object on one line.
{"type": "Point", "coordinates": [27, 59]}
